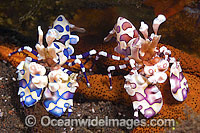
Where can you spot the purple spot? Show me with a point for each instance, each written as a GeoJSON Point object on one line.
{"type": "Point", "coordinates": [150, 96]}
{"type": "Point", "coordinates": [150, 38]}
{"type": "Point", "coordinates": [64, 38]}
{"type": "Point", "coordinates": [158, 100]}
{"type": "Point", "coordinates": [140, 107]}
{"type": "Point", "coordinates": [22, 83]}
{"type": "Point", "coordinates": [121, 18]}
{"type": "Point", "coordinates": [177, 83]}
{"type": "Point", "coordinates": [181, 76]}
{"type": "Point", "coordinates": [185, 83]}
{"type": "Point", "coordinates": [133, 85]}
{"type": "Point", "coordinates": [149, 112]}
{"type": "Point", "coordinates": [118, 29]}
{"type": "Point", "coordinates": [125, 37]}
{"type": "Point", "coordinates": [136, 34]}
{"type": "Point", "coordinates": [126, 25]}
{"type": "Point", "coordinates": [137, 97]}
{"type": "Point", "coordinates": [135, 41]}
{"type": "Point", "coordinates": [177, 66]}
{"type": "Point", "coordinates": [125, 52]}
{"type": "Point", "coordinates": [67, 95]}
{"type": "Point", "coordinates": [184, 92]}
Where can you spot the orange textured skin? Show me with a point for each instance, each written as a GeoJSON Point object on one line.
{"type": "Point", "coordinates": [100, 85]}
{"type": "Point", "coordinates": [171, 109]}
{"type": "Point", "coordinates": [100, 89]}
{"type": "Point", "coordinates": [16, 58]}
{"type": "Point", "coordinates": [189, 63]}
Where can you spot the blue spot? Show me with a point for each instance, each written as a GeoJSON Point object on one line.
{"type": "Point", "coordinates": [64, 38]}
{"type": "Point", "coordinates": [59, 28]}
{"type": "Point", "coordinates": [31, 102]}
{"type": "Point", "coordinates": [22, 71]}
{"type": "Point", "coordinates": [57, 111]}
{"type": "Point", "coordinates": [50, 100]}
{"type": "Point", "coordinates": [22, 83]}
{"type": "Point", "coordinates": [22, 94]}
{"type": "Point", "coordinates": [67, 95]}
{"type": "Point", "coordinates": [70, 51]}
{"type": "Point", "coordinates": [22, 103]}
{"type": "Point", "coordinates": [34, 52]}
{"type": "Point", "coordinates": [39, 92]}
{"type": "Point", "coordinates": [69, 72]}
{"type": "Point", "coordinates": [58, 61]}
{"type": "Point", "coordinates": [56, 46]}
{"type": "Point", "coordinates": [65, 51]}
{"type": "Point", "coordinates": [54, 81]}
{"type": "Point", "coordinates": [60, 19]}
{"type": "Point", "coordinates": [67, 28]}
{"type": "Point", "coordinates": [81, 65]}
{"type": "Point", "coordinates": [37, 74]}
{"type": "Point", "coordinates": [46, 103]}
{"type": "Point", "coordinates": [69, 113]}
{"type": "Point", "coordinates": [33, 88]}
{"type": "Point", "coordinates": [73, 41]}
{"type": "Point", "coordinates": [66, 105]}
{"type": "Point", "coordinates": [69, 84]}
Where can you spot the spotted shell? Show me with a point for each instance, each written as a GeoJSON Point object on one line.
{"type": "Point", "coordinates": [145, 98]}
{"type": "Point", "coordinates": [57, 101]}
{"type": "Point", "coordinates": [156, 73]}
{"type": "Point", "coordinates": [127, 38]}
{"type": "Point", "coordinates": [62, 53]}
{"type": "Point", "coordinates": [126, 32]}
{"type": "Point", "coordinates": [30, 93]}
{"type": "Point", "coordinates": [63, 27]}
{"type": "Point", "coordinates": [179, 85]}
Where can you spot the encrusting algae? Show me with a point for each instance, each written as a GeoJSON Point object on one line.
{"type": "Point", "coordinates": [100, 85]}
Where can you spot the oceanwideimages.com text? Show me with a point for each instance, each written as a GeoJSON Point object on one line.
{"type": "Point", "coordinates": [46, 121]}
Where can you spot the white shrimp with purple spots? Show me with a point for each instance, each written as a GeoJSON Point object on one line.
{"type": "Point", "coordinates": [145, 97]}
{"type": "Point", "coordinates": [179, 85]}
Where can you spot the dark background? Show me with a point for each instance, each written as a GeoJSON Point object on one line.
{"type": "Point", "coordinates": [19, 19]}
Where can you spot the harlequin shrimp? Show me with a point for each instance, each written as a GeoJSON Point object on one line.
{"type": "Point", "coordinates": [46, 74]}
{"type": "Point", "coordinates": [149, 66]}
